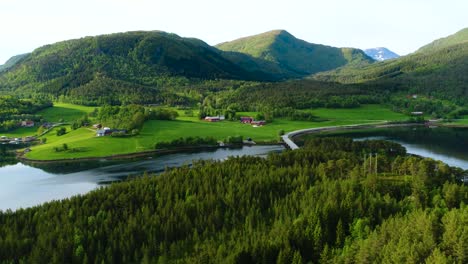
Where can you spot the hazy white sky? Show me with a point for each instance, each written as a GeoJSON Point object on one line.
{"type": "Point", "coordinates": [400, 25]}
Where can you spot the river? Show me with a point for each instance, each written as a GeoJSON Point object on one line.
{"type": "Point", "coordinates": [449, 145]}
{"type": "Point", "coordinates": [22, 185]}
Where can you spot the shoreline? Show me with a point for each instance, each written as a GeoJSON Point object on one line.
{"type": "Point", "coordinates": [287, 139]}
{"type": "Point", "coordinates": [141, 154]}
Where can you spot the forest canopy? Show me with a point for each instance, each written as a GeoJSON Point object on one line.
{"type": "Point", "coordinates": [330, 202]}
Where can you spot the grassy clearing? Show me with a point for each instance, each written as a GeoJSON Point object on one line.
{"type": "Point", "coordinates": [20, 132]}
{"type": "Point", "coordinates": [65, 112]}
{"type": "Point", "coordinates": [85, 143]}
{"type": "Point", "coordinates": [461, 121]}
{"type": "Point", "coordinates": [363, 113]}
{"type": "Point", "coordinates": [59, 112]}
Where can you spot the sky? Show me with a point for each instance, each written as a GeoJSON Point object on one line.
{"type": "Point", "coordinates": [400, 25]}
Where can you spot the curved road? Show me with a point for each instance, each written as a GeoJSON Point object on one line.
{"type": "Point", "coordinates": [287, 138]}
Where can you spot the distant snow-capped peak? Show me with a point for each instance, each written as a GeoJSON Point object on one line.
{"type": "Point", "coordinates": [381, 54]}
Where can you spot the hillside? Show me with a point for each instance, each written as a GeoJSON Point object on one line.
{"type": "Point", "coordinates": [461, 37]}
{"type": "Point", "coordinates": [295, 55]}
{"type": "Point", "coordinates": [439, 72]}
{"type": "Point", "coordinates": [141, 60]}
{"type": "Point", "coordinates": [12, 61]}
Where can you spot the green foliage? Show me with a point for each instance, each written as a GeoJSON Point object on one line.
{"type": "Point", "coordinates": [12, 62]}
{"type": "Point", "coordinates": [123, 68]}
{"type": "Point", "coordinates": [14, 110]}
{"type": "Point", "coordinates": [288, 208]}
{"type": "Point", "coordinates": [437, 72]}
{"type": "Point", "coordinates": [187, 142]}
{"type": "Point", "coordinates": [299, 94]}
{"type": "Point", "coordinates": [61, 131]}
{"type": "Point", "coordinates": [457, 38]}
{"type": "Point", "coordinates": [122, 117]}
{"type": "Point", "coordinates": [162, 114]}
{"type": "Point", "coordinates": [293, 55]}
{"type": "Point", "coordinates": [234, 140]}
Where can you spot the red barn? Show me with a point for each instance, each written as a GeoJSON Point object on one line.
{"type": "Point", "coordinates": [246, 119]}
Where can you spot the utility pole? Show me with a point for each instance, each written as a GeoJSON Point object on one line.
{"type": "Point", "coordinates": [376, 163]}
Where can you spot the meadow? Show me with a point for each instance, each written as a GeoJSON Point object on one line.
{"type": "Point", "coordinates": [83, 142]}
{"type": "Point", "coordinates": [62, 112]}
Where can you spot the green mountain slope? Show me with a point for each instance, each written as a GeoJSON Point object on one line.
{"type": "Point", "coordinates": [458, 38]}
{"type": "Point", "coordinates": [439, 72]}
{"type": "Point", "coordinates": [295, 55]}
{"type": "Point", "coordinates": [140, 58]}
{"type": "Point", "coordinates": [12, 61]}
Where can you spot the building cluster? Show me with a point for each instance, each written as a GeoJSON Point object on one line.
{"type": "Point", "coordinates": [244, 120]}
{"type": "Point", "coordinates": [15, 141]}
{"type": "Point", "coordinates": [250, 120]}
{"type": "Point", "coordinates": [107, 131]}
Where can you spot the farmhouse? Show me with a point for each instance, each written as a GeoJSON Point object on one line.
{"type": "Point", "coordinates": [27, 123]}
{"type": "Point", "coordinates": [417, 113]}
{"type": "Point", "coordinates": [246, 119]}
{"type": "Point", "coordinates": [258, 123]}
{"type": "Point", "coordinates": [103, 132]}
{"type": "Point", "coordinates": [107, 131]}
{"type": "Point", "coordinates": [214, 118]}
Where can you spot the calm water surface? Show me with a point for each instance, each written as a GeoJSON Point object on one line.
{"type": "Point", "coordinates": [24, 186]}
{"type": "Point", "coordinates": [449, 145]}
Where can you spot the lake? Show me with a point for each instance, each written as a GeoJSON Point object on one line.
{"type": "Point", "coordinates": [22, 185]}
{"type": "Point", "coordinates": [449, 145]}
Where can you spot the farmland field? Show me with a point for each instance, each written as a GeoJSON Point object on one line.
{"type": "Point", "coordinates": [83, 143]}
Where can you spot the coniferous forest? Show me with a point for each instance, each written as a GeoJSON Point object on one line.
{"type": "Point", "coordinates": [333, 201]}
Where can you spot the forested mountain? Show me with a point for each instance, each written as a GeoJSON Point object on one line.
{"type": "Point", "coordinates": [325, 203]}
{"type": "Point", "coordinates": [12, 61]}
{"type": "Point", "coordinates": [142, 60]}
{"type": "Point", "coordinates": [439, 72]}
{"type": "Point", "coordinates": [458, 38]}
{"type": "Point", "coordinates": [295, 55]}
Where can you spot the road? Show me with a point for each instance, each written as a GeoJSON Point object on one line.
{"type": "Point", "coordinates": [287, 138]}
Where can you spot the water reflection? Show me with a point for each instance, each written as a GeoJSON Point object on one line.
{"type": "Point", "coordinates": [23, 185]}
{"type": "Point", "coordinates": [449, 145]}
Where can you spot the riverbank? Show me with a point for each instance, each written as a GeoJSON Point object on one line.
{"type": "Point", "coordinates": [20, 155]}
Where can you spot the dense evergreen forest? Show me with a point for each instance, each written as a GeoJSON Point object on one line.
{"type": "Point", "coordinates": [334, 201]}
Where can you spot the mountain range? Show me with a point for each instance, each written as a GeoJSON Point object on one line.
{"type": "Point", "coordinates": [381, 54]}
{"type": "Point", "coordinates": [143, 63]}
{"type": "Point", "coordinates": [143, 58]}
{"type": "Point", "coordinates": [437, 69]}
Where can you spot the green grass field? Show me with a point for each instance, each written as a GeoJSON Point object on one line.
{"type": "Point", "coordinates": [365, 113]}
{"type": "Point", "coordinates": [20, 132]}
{"type": "Point", "coordinates": [83, 143]}
{"type": "Point", "coordinates": [59, 112]}
{"type": "Point", "coordinates": [65, 112]}
{"type": "Point", "coordinates": [461, 121]}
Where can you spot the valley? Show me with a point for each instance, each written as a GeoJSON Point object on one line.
{"type": "Point", "coordinates": [150, 147]}
{"type": "Point", "coordinates": [87, 145]}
